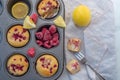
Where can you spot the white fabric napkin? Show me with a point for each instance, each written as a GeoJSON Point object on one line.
{"type": "Point", "coordinates": [98, 42]}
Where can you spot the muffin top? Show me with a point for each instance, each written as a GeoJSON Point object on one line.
{"type": "Point", "coordinates": [47, 65]}
{"type": "Point", "coordinates": [48, 8]}
{"type": "Point", "coordinates": [17, 36]}
{"type": "Point", "coordinates": [17, 65]}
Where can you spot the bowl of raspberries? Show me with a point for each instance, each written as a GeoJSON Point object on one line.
{"type": "Point", "coordinates": [47, 36]}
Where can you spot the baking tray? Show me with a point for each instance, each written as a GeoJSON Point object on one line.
{"type": "Point", "coordinates": [6, 21]}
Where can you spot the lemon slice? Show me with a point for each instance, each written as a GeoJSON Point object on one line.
{"type": "Point", "coordinates": [28, 23]}
{"type": "Point", "coordinates": [20, 10]}
{"type": "Point", "coordinates": [59, 21]}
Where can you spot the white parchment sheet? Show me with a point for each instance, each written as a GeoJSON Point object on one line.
{"type": "Point", "coordinates": [99, 38]}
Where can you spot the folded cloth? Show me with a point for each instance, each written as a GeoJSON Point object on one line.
{"type": "Point", "coordinates": [98, 42]}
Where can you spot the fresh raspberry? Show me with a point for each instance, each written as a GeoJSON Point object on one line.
{"type": "Point", "coordinates": [40, 43]}
{"type": "Point", "coordinates": [44, 30]}
{"type": "Point", "coordinates": [39, 35]}
{"type": "Point", "coordinates": [31, 52]}
{"type": "Point", "coordinates": [34, 17]}
{"type": "Point", "coordinates": [47, 44]}
{"type": "Point", "coordinates": [52, 29]}
{"type": "Point", "coordinates": [47, 36]}
{"type": "Point", "coordinates": [54, 42]}
{"type": "Point", "coordinates": [56, 35]}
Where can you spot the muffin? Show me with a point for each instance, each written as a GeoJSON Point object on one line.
{"type": "Point", "coordinates": [48, 8]}
{"type": "Point", "coordinates": [47, 65]}
{"type": "Point", "coordinates": [73, 66]}
{"type": "Point", "coordinates": [74, 44]}
{"type": "Point", "coordinates": [20, 10]}
{"type": "Point", "coordinates": [17, 36]}
{"type": "Point", "coordinates": [17, 65]}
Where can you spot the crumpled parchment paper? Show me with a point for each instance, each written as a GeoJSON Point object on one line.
{"type": "Point", "coordinates": [98, 39]}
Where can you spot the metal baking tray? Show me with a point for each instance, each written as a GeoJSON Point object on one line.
{"type": "Point", "coordinates": [6, 50]}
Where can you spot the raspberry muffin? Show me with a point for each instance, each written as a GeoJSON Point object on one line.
{"type": "Point", "coordinates": [74, 44]}
{"type": "Point", "coordinates": [47, 65]}
{"type": "Point", "coordinates": [17, 36]}
{"type": "Point", "coordinates": [17, 65]}
{"type": "Point", "coordinates": [73, 66]}
{"type": "Point", "coordinates": [48, 8]}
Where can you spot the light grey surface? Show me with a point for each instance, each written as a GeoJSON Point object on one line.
{"type": "Point", "coordinates": [98, 36]}
{"type": "Point", "coordinates": [117, 35]}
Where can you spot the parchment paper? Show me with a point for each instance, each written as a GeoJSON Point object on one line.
{"type": "Point", "coordinates": [98, 38]}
